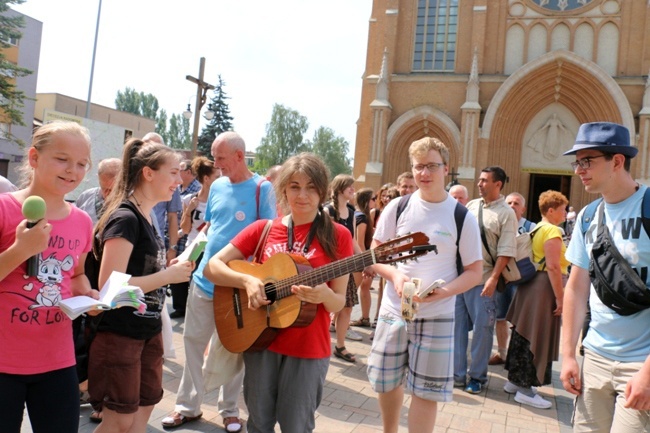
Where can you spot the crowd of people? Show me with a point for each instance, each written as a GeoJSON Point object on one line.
{"type": "Point", "coordinates": [151, 204]}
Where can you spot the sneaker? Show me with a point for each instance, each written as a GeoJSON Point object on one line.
{"type": "Point", "coordinates": [536, 401]}
{"type": "Point", "coordinates": [353, 335]}
{"type": "Point", "coordinates": [474, 387]}
{"type": "Point", "coordinates": [510, 388]}
{"type": "Point", "coordinates": [459, 384]}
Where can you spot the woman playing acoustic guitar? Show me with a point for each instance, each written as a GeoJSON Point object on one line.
{"type": "Point", "coordinates": [284, 382]}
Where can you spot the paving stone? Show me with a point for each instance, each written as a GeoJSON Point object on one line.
{"type": "Point", "coordinates": [350, 405]}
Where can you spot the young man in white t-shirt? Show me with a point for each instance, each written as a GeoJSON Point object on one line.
{"type": "Point", "coordinates": [425, 344]}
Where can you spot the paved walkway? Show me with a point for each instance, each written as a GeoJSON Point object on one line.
{"type": "Point", "coordinates": [350, 406]}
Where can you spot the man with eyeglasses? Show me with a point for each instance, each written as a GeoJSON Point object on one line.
{"type": "Point", "coordinates": [613, 387]}
{"type": "Point", "coordinates": [418, 352]}
{"type": "Point", "coordinates": [476, 308]}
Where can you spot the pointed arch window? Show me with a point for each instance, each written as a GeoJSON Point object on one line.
{"type": "Point", "coordinates": [435, 35]}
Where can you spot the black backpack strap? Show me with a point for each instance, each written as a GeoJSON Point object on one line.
{"type": "Point", "coordinates": [645, 211]}
{"type": "Point", "coordinates": [403, 202]}
{"type": "Point", "coordinates": [459, 216]}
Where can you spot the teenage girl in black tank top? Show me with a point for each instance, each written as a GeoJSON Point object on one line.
{"type": "Point", "coordinates": [342, 212]}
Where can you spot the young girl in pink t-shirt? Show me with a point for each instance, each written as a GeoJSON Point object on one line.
{"type": "Point", "coordinates": [37, 362]}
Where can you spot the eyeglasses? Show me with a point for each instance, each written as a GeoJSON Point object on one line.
{"type": "Point", "coordinates": [432, 167]}
{"type": "Point", "coordinates": [584, 163]}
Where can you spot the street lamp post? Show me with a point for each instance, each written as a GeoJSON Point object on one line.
{"type": "Point", "coordinates": [201, 91]}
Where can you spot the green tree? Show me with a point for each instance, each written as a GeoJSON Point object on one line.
{"type": "Point", "coordinates": [283, 139]}
{"type": "Point", "coordinates": [139, 103]}
{"type": "Point", "coordinates": [161, 125]}
{"type": "Point", "coordinates": [179, 136]}
{"type": "Point", "coordinates": [221, 122]}
{"type": "Point", "coordinates": [176, 133]}
{"type": "Point", "coordinates": [332, 149]}
{"type": "Point", "coordinates": [11, 98]}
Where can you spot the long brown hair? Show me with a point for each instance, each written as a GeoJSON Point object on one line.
{"type": "Point", "coordinates": [136, 156]}
{"type": "Point", "coordinates": [338, 185]}
{"type": "Point", "coordinates": [315, 169]}
{"type": "Point", "coordinates": [362, 198]}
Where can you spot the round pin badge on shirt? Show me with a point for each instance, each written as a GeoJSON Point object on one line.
{"type": "Point", "coordinates": [240, 216]}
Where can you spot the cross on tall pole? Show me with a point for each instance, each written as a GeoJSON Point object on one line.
{"type": "Point", "coordinates": [454, 179]}
{"type": "Point", "coordinates": [201, 93]}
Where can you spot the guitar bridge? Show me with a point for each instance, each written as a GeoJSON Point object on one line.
{"type": "Point", "coordinates": [236, 302]}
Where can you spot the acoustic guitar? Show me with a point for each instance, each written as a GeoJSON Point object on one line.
{"type": "Point", "coordinates": [241, 328]}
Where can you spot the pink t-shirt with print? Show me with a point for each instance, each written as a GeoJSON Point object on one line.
{"type": "Point", "coordinates": [35, 335]}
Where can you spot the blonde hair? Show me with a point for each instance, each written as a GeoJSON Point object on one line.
{"type": "Point", "coordinates": [424, 145]}
{"type": "Point", "coordinates": [43, 136]}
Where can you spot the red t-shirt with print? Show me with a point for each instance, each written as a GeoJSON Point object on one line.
{"type": "Point", "coordinates": [313, 340]}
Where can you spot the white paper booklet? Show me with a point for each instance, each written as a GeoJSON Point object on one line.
{"type": "Point", "coordinates": [116, 293]}
{"type": "Point", "coordinates": [194, 249]}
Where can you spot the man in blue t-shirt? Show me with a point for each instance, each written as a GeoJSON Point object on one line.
{"type": "Point", "coordinates": [613, 387]}
{"type": "Point", "coordinates": [236, 199]}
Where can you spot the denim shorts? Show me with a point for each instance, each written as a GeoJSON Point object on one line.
{"type": "Point", "coordinates": [503, 300]}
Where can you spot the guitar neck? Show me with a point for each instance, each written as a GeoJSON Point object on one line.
{"type": "Point", "coordinates": [325, 273]}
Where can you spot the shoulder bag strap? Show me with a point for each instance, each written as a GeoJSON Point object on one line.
{"type": "Point", "coordinates": [483, 238]}
{"type": "Point", "coordinates": [257, 196]}
{"type": "Point", "coordinates": [459, 216]}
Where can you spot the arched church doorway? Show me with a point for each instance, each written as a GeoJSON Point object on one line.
{"type": "Point", "coordinates": [540, 183]}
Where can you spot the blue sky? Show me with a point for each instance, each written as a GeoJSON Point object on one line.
{"type": "Point", "coordinates": [307, 55]}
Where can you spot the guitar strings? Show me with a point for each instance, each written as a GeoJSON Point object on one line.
{"type": "Point", "coordinates": [316, 276]}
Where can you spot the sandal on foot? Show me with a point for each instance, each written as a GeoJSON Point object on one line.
{"type": "Point", "coordinates": [232, 424]}
{"type": "Point", "coordinates": [96, 416]}
{"type": "Point", "coordinates": [84, 397]}
{"type": "Point", "coordinates": [176, 420]}
{"type": "Point", "coordinates": [363, 322]}
{"type": "Point", "coordinates": [339, 353]}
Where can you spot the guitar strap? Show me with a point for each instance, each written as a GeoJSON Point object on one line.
{"type": "Point", "coordinates": [257, 255]}
{"type": "Point", "coordinates": [310, 235]}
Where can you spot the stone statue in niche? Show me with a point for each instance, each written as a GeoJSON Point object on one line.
{"type": "Point", "coordinates": [549, 139]}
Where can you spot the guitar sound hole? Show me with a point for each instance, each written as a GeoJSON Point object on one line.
{"type": "Point", "coordinates": [271, 292]}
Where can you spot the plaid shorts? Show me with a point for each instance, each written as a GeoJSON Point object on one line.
{"type": "Point", "coordinates": [419, 352]}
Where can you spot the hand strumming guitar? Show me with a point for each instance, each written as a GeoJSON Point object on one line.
{"type": "Point", "coordinates": [255, 291]}
{"type": "Point", "coordinates": [313, 295]}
